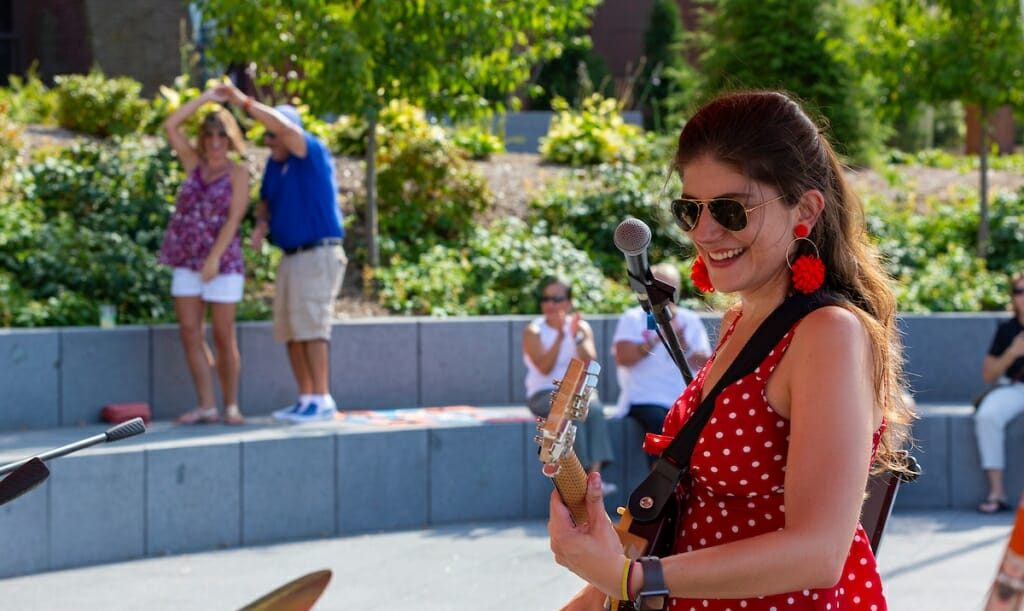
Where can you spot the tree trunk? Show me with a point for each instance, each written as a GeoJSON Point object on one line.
{"type": "Point", "coordinates": [983, 190]}
{"type": "Point", "coordinates": [372, 247]}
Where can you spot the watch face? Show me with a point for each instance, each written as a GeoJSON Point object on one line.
{"type": "Point", "coordinates": [654, 593]}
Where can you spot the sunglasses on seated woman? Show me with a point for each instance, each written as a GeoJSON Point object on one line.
{"type": "Point", "coordinates": [726, 211]}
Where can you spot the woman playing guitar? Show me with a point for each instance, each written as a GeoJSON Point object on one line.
{"type": "Point", "coordinates": [768, 508]}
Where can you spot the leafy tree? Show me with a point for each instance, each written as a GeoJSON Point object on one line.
{"type": "Point", "coordinates": [575, 74]}
{"type": "Point", "coordinates": [954, 50]}
{"type": "Point", "coordinates": [803, 46]}
{"type": "Point", "coordinates": [663, 59]}
{"type": "Point", "coordinates": [354, 56]}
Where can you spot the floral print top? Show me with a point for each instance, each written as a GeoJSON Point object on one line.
{"type": "Point", "coordinates": [201, 211]}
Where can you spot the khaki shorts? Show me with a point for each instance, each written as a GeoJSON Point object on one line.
{"type": "Point", "coordinates": [304, 292]}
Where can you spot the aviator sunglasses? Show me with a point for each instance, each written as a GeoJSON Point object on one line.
{"type": "Point", "coordinates": [726, 211]}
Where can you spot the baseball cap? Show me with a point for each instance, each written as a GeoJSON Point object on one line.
{"type": "Point", "coordinates": [290, 113]}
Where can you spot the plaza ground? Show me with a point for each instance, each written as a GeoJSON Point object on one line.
{"type": "Point", "coordinates": [930, 560]}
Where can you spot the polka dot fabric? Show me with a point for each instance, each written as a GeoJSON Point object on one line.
{"type": "Point", "coordinates": [735, 491]}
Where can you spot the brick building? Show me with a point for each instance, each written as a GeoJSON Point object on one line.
{"type": "Point", "coordinates": [140, 38]}
{"type": "Point", "coordinates": [618, 32]}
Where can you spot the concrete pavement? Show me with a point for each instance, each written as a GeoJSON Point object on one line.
{"type": "Point", "coordinates": [930, 560]}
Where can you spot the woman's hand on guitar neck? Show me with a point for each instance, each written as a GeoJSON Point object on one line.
{"type": "Point", "coordinates": [592, 551]}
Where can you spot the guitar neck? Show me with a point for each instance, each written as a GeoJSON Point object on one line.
{"type": "Point", "coordinates": [571, 483]}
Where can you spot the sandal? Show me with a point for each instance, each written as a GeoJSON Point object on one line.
{"type": "Point", "coordinates": [993, 506]}
{"type": "Point", "coordinates": [232, 415]}
{"type": "Point", "coordinates": [199, 415]}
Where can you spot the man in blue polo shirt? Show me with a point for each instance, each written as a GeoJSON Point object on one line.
{"type": "Point", "coordinates": [298, 206]}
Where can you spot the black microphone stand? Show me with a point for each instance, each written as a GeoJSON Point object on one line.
{"type": "Point", "coordinates": [658, 297]}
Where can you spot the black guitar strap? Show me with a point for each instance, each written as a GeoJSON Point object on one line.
{"type": "Point", "coordinates": [650, 498]}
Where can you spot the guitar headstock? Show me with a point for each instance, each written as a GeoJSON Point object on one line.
{"type": "Point", "coordinates": [569, 404]}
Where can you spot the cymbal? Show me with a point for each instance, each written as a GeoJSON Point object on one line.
{"type": "Point", "coordinates": [296, 595]}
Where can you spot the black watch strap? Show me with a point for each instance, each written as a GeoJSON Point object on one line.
{"type": "Point", "coordinates": [654, 594]}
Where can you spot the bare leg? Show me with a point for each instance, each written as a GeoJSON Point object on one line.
{"type": "Point", "coordinates": [191, 311]}
{"type": "Point", "coordinates": [300, 367]}
{"type": "Point", "coordinates": [995, 484]}
{"type": "Point", "coordinates": [319, 365]}
{"type": "Point", "coordinates": [225, 341]}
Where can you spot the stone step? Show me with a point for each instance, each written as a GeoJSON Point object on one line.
{"type": "Point", "coordinates": [178, 489]}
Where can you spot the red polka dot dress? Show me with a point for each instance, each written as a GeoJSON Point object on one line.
{"type": "Point", "coordinates": [735, 491]}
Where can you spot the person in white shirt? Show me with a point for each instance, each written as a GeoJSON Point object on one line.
{"type": "Point", "coordinates": [649, 380]}
{"type": "Point", "coordinates": [549, 343]}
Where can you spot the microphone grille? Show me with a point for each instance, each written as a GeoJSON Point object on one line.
{"type": "Point", "coordinates": [130, 428]}
{"type": "Point", "coordinates": [632, 236]}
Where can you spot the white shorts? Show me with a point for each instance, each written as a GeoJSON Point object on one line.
{"type": "Point", "coordinates": [225, 288]}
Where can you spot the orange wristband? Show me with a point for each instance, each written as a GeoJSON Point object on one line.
{"type": "Point", "coordinates": [247, 103]}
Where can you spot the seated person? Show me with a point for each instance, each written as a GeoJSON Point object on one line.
{"type": "Point", "coordinates": [549, 343]}
{"type": "Point", "coordinates": [1003, 366]}
{"type": "Point", "coordinates": [649, 380]}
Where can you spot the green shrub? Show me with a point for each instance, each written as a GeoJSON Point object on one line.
{"type": "Point", "coordinates": [575, 74]}
{"type": "Point", "coordinates": [927, 247]}
{"type": "Point", "coordinates": [10, 148]}
{"type": "Point", "coordinates": [28, 100]}
{"type": "Point", "coordinates": [596, 133]}
{"type": "Point", "coordinates": [92, 222]}
{"type": "Point", "coordinates": [99, 106]}
{"type": "Point", "coordinates": [398, 124]}
{"type": "Point", "coordinates": [476, 141]}
{"type": "Point", "coordinates": [587, 210]}
{"type": "Point", "coordinates": [347, 136]}
{"type": "Point", "coordinates": [497, 271]}
{"type": "Point", "coordinates": [1006, 233]}
{"type": "Point", "coordinates": [85, 228]}
{"type": "Point", "coordinates": [427, 194]}
{"type": "Point", "coordinates": [953, 281]}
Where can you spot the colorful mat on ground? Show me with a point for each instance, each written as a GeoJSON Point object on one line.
{"type": "Point", "coordinates": [451, 414]}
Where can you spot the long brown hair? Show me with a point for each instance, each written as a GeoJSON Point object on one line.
{"type": "Point", "coordinates": [220, 119]}
{"type": "Point", "coordinates": [769, 138]}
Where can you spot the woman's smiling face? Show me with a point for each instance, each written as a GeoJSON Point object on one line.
{"type": "Point", "coordinates": [745, 260]}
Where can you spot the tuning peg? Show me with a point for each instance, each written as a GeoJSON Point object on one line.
{"type": "Point", "coordinates": [539, 439]}
{"type": "Point", "coordinates": [540, 425]}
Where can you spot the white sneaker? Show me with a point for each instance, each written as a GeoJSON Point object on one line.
{"type": "Point", "coordinates": [313, 412]}
{"type": "Point", "coordinates": [285, 413]}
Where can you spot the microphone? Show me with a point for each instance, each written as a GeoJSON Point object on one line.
{"type": "Point", "coordinates": [633, 237]}
{"type": "Point", "coordinates": [125, 429]}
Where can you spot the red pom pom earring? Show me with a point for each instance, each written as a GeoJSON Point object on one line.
{"type": "Point", "coordinates": [808, 270]}
{"type": "Point", "coordinates": [699, 276]}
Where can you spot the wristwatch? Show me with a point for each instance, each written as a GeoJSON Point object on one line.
{"type": "Point", "coordinates": [579, 337]}
{"type": "Point", "coordinates": [654, 594]}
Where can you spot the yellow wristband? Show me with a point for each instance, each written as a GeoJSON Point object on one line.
{"type": "Point", "coordinates": [625, 578]}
